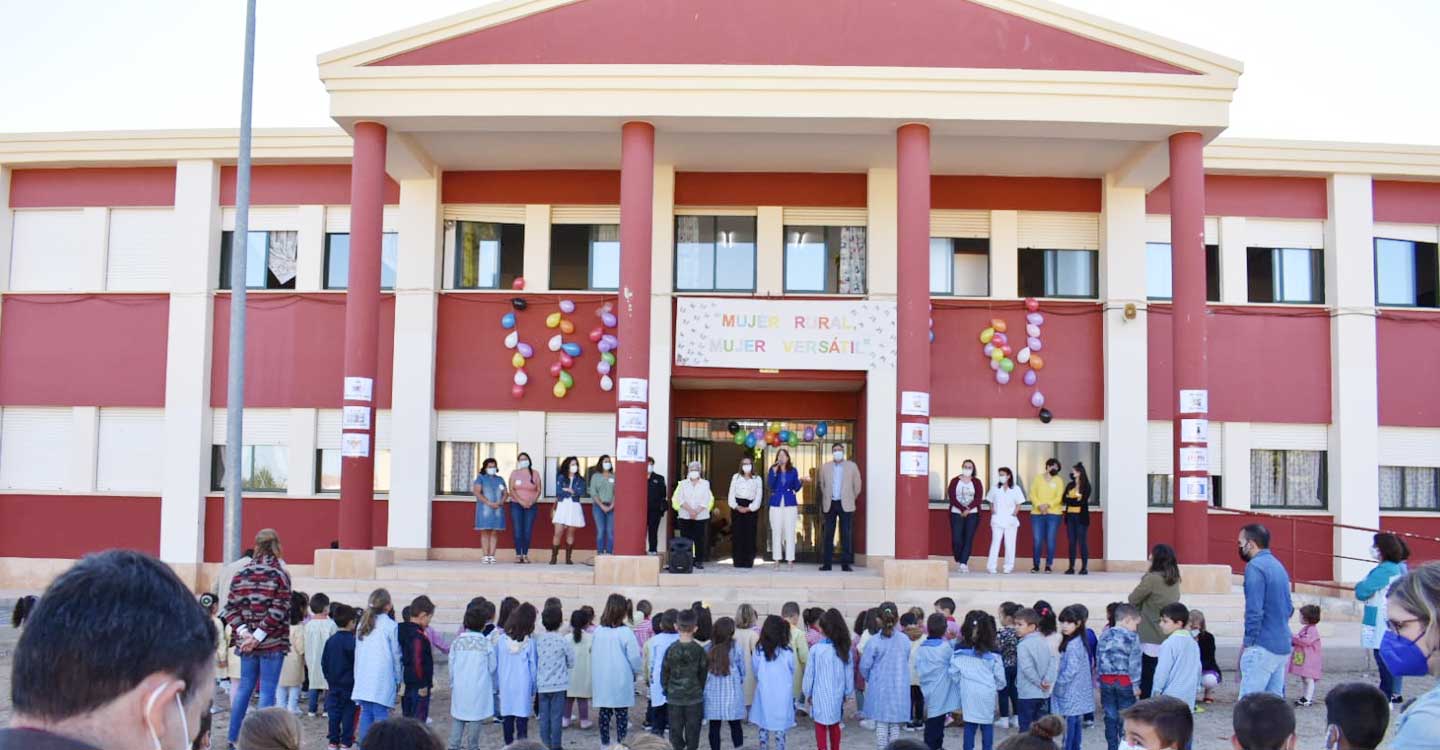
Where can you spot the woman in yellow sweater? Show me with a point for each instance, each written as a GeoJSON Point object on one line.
{"type": "Point", "coordinates": [1046, 495]}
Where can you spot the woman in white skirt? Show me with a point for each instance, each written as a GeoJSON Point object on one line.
{"type": "Point", "coordinates": [568, 516]}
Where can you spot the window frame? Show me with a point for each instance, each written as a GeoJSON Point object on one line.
{"type": "Point", "coordinates": [831, 275]}
{"type": "Point", "coordinates": [1416, 248]}
{"type": "Point", "coordinates": [955, 250]}
{"type": "Point", "coordinates": [1405, 506]}
{"type": "Point", "coordinates": [715, 256]}
{"type": "Point", "coordinates": [1323, 481]}
{"type": "Point", "coordinates": [1277, 275]}
{"type": "Point", "coordinates": [320, 470]}
{"type": "Point", "coordinates": [247, 456]}
{"type": "Point", "coordinates": [440, 446]}
{"type": "Point", "coordinates": [1216, 491]}
{"type": "Point", "coordinates": [1022, 291]}
{"type": "Point", "coordinates": [395, 244]}
{"type": "Point", "coordinates": [982, 465]}
{"type": "Point", "coordinates": [227, 246]}
{"type": "Point", "coordinates": [1092, 467]}
{"type": "Point", "coordinates": [455, 257]}
{"type": "Point", "coordinates": [589, 260]}
{"type": "Point", "coordinates": [1212, 275]}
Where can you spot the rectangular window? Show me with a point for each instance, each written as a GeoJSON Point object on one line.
{"type": "Point", "coordinates": [270, 259]}
{"type": "Point", "coordinates": [585, 256]}
{"type": "Point", "coordinates": [1033, 455]}
{"type": "Point", "coordinates": [327, 473]}
{"type": "Point", "coordinates": [1287, 479]}
{"type": "Point", "coordinates": [487, 255]}
{"type": "Point", "coordinates": [1158, 271]}
{"type": "Point", "coordinates": [1162, 490]}
{"type": "Point", "coordinates": [337, 259]}
{"type": "Point", "coordinates": [458, 463]}
{"type": "Point", "coordinates": [1286, 274]}
{"type": "Point", "coordinates": [945, 461]}
{"type": "Point", "coordinates": [1409, 488]}
{"type": "Point", "coordinates": [1059, 273]}
{"type": "Point", "coordinates": [264, 468]}
{"type": "Point", "coordinates": [1406, 273]}
{"type": "Point", "coordinates": [960, 266]}
{"type": "Point", "coordinates": [552, 470]}
{"type": "Point", "coordinates": [825, 260]}
{"type": "Point", "coordinates": [715, 253]}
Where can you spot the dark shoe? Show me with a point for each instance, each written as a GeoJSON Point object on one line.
{"type": "Point", "coordinates": [699, 566]}
{"type": "Point", "coordinates": [824, 568]}
{"type": "Point", "coordinates": [554, 553]}
{"type": "Point", "coordinates": [1304, 703]}
{"type": "Point", "coordinates": [569, 549]}
{"type": "Point", "coordinates": [1069, 572]}
{"type": "Point", "coordinates": [1048, 570]}
{"type": "Point", "coordinates": [1084, 571]}
{"type": "Point", "coordinates": [1035, 569]}
{"type": "Point", "coordinates": [846, 567]}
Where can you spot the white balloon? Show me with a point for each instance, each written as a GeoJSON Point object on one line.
{"type": "Point", "coordinates": [511, 339]}
{"type": "Point", "coordinates": [521, 378]}
{"type": "Point", "coordinates": [554, 344]}
{"type": "Point", "coordinates": [1023, 356]}
{"type": "Point", "coordinates": [1032, 330]}
{"type": "Point", "coordinates": [606, 383]}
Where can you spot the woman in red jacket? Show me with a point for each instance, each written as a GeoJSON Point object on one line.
{"type": "Point", "coordinates": [965, 492]}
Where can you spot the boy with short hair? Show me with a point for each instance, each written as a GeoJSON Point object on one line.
{"type": "Point", "coordinates": [1118, 657]}
{"type": "Point", "coordinates": [1036, 667]}
{"type": "Point", "coordinates": [1159, 723]}
{"type": "Point", "coordinates": [1357, 715]}
{"type": "Point", "coordinates": [473, 678]}
{"type": "Point", "coordinates": [317, 631]}
{"type": "Point", "coordinates": [683, 676]}
{"type": "Point", "coordinates": [1177, 673]}
{"type": "Point", "coordinates": [337, 664]}
{"type": "Point", "coordinates": [416, 658]}
{"type": "Point", "coordinates": [1263, 721]}
{"type": "Point", "coordinates": [790, 612]}
{"type": "Point", "coordinates": [941, 694]}
{"type": "Point", "coordinates": [946, 606]}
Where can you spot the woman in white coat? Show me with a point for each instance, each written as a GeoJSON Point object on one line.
{"type": "Point", "coordinates": [1005, 501]}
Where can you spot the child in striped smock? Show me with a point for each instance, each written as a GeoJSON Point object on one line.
{"type": "Point", "coordinates": [725, 684]}
{"type": "Point", "coordinates": [885, 664]}
{"type": "Point", "coordinates": [774, 665]}
{"type": "Point", "coordinates": [829, 679]}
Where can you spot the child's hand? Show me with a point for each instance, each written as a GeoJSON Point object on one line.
{"type": "Point", "coordinates": [424, 692]}
{"type": "Point", "coordinates": [1044, 686]}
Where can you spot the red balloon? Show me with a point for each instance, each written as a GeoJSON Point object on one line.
{"type": "Point", "coordinates": [999, 339]}
{"type": "Point", "coordinates": [518, 283]}
{"type": "Point", "coordinates": [517, 391]}
{"type": "Point", "coordinates": [1005, 349]}
{"type": "Point", "coordinates": [566, 361]}
{"type": "Point", "coordinates": [555, 370]}
{"type": "Point", "coordinates": [597, 333]}
{"type": "Point", "coordinates": [1032, 304]}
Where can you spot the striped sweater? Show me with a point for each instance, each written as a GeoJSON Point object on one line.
{"type": "Point", "coordinates": [259, 602]}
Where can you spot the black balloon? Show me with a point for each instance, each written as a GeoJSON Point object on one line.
{"type": "Point", "coordinates": [1046, 416]}
{"type": "Point", "coordinates": [518, 303]}
{"type": "Point", "coordinates": [734, 427]}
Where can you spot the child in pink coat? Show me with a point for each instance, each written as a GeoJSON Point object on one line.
{"type": "Point", "coordinates": [1305, 660]}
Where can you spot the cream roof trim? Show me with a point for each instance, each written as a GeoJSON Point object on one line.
{"type": "Point", "coordinates": [280, 145]}
{"type": "Point", "coordinates": [1251, 155]}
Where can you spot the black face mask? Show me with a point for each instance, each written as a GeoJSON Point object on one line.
{"type": "Point", "coordinates": [1054, 470]}
{"type": "Point", "coordinates": [1243, 554]}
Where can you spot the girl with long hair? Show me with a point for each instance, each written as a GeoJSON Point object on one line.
{"type": "Point", "coordinates": [524, 490]}
{"type": "Point", "coordinates": [725, 684]}
{"type": "Point", "coordinates": [1075, 503]}
{"type": "Point", "coordinates": [1074, 694]}
{"type": "Point", "coordinates": [747, 636]}
{"type": "Point", "coordinates": [581, 677]}
{"type": "Point", "coordinates": [774, 665]}
{"type": "Point", "coordinates": [567, 516]}
{"type": "Point", "coordinates": [602, 494]}
{"type": "Point", "coordinates": [378, 673]}
{"type": "Point", "coordinates": [1389, 553]}
{"type": "Point", "coordinates": [964, 493]}
{"type": "Point", "coordinates": [829, 679]}
{"type": "Point", "coordinates": [516, 667]}
{"type": "Point", "coordinates": [614, 664]}
{"type": "Point", "coordinates": [885, 665]}
{"type": "Point", "coordinates": [490, 494]}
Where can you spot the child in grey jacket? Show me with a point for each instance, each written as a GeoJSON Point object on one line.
{"type": "Point", "coordinates": [1037, 667]}
{"type": "Point", "coordinates": [1177, 674]}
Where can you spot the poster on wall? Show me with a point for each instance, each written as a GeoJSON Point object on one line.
{"type": "Point", "coordinates": [1195, 402]}
{"type": "Point", "coordinates": [1195, 489]}
{"type": "Point", "coordinates": [630, 449]}
{"type": "Point", "coordinates": [915, 403]}
{"type": "Point", "coordinates": [632, 419]}
{"type": "Point", "coordinates": [633, 390]}
{"type": "Point", "coordinates": [355, 418]}
{"type": "Point", "coordinates": [359, 389]}
{"type": "Point", "coordinates": [1194, 430]}
{"type": "Point", "coordinates": [785, 334]}
{"type": "Point", "coordinates": [1195, 459]}
{"type": "Point", "coordinates": [915, 435]}
{"type": "Point", "coordinates": [914, 463]}
{"type": "Point", "coordinates": [354, 445]}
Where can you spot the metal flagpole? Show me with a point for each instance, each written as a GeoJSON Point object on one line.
{"type": "Point", "coordinates": [239, 246]}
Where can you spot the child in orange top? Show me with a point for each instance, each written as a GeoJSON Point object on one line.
{"type": "Point", "coordinates": [1305, 660]}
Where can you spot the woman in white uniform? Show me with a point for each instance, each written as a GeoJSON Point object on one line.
{"type": "Point", "coordinates": [1005, 501]}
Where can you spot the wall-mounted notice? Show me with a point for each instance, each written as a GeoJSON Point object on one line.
{"type": "Point", "coordinates": [354, 445]}
{"type": "Point", "coordinates": [355, 418]}
{"type": "Point", "coordinates": [630, 449]}
{"type": "Point", "coordinates": [914, 463]}
{"type": "Point", "coordinates": [914, 435]}
{"type": "Point", "coordinates": [1195, 459]}
{"type": "Point", "coordinates": [359, 389]}
{"type": "Point", "coordinates": [1194, 430]}
{"type": "Point", "coordinates": [1195, 402]}
{"type": "Point", "coordinates": [633, 390]}
{"type": "Point", "coordinates": [915, 403]}
{"type": "Point", "coordinates": [632, 419]}
{"type": "Point", "coordinates": [1195, 489]}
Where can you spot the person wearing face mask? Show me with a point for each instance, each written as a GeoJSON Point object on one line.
{"type": "Point", "coordinates": [746, 491]}
{"type": "Point", "coordinates": [1076, 507]}
{"type": "Point", "coordinates": [490, 494]}
{"type": "Point", "coordinates": [964, 493]}
{"type": "Point", "coordinates": [1411, 648]}
{"type": "Point", "coordinates": [783, 481]}
{"type": "Point", "coordinates": [1391, 552]}
{"type": "Point", "coordinates": [1005, 501]}
{"type": "Point", "coordinates": [568, 516]}
{"type": "Point", "coordinates": [524, 486]}
{"type": "Point", "coordinates": [693, 502]}
{"type": "Point", "coordinates": [602, 494]}
{"type": "Point", "coordinates": [1046, 495]}
{"type": "Point", "coordinates": [86, 677]}
{"type": "Point", "coordinates": [1265, 652]}
{"type": "Point", "coordinates": [839, 482]}
{"type": "Point", "coordinates": [258, 616]}
{"type": "Point", "coordinates": [655, 505]}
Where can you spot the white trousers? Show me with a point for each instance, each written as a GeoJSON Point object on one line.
{"type": "Point", "coordinates": [995, 535]}
{"type": "Point", "coordinates": [782, 532]}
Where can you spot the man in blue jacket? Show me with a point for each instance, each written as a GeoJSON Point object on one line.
{"type": "Point", "coordinates": [1266, 646]}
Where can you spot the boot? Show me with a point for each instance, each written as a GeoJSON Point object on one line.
{"type": "Point", "coordinates": [554, 553]}
{"type": "Point", "coordinates": [569, 549]}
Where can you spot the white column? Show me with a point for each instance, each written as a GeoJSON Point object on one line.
{"type": "Point", "coordinates": [7, 220]}
{"type": "Point", "coordinates": [770, 250]}
{"type": "Point", "coordinates": [302, 452]}
{"type": "Point", "coordinates": [194, 258]}
{"type": "Point", "coordinates": [1234, 274]}
{"type": "Point", "coordinates": [310, 249]}
{"type": "Point", "coordinates": [662, 282]}
{"type": "Point", "coordinates": [1004, 254]}
{"type": "Point", "coordinates": [881, 387]}
{"type": "Point", "coordinates": [84, 447]}
{"type": "Point", "coordinates": [1354, 404]}
{"type": "Point", "coordinates": [1004, 447]}
{"type": "Point", "coordinates": [1125, 431]}
{"type": "Point", "coordinates": [537, 248]}
{"type": "Point", "coordinates": [1236, 463]}
{"type": "Point", "coordinates": [412, 451]}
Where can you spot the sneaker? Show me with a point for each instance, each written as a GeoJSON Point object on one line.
{"type": "Point", "coordinates": [867, 724]}
{"type": "Point", "coordinates": [565, 722]}
{"type": "Point", "coordinates": [966, 568]}
{"type": "Point", "coordinates": [332, 746]}
{"type": "Point", "coordinates": [1304, 703]}
{"type": "Point", "coordinates": [1035, 569]}
{"type": "Point", "coordinates": [1202, 709]}
{"type": "Point", "coordinates": [586, 724]}
{"type": "Point", "coordinates": [1091, 724]}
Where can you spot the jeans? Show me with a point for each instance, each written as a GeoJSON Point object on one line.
{"type": "Point", "coordinates": [315, 700]}
{"type": "Point", "coordinates": [515, 726]}
{"type": "Point", "coordinates": [737, 734]}
{"type": "Point", "coordinates": [604, 531]}
{"type": "Point", "coordinates": [415, 706]}
{"type": "Point", "coordinates": [685, 725]}
{"type": "Point", "coordinates": [1030, 710]}
{"type": "Point", "coordinates": [987, 736]}
{"type": "Point", "coordinates": [263, 669]}
{"type": "Point", "coordinates": [1262, 671]}
{"type": "Point", "coordinates": [465, 735]}
{"type": "Point", "coordinates": [962, 536]}
{"type": "Point", "coordinates": [1043, 529]}
{"type": "Point", "coordinates": [1390, 685]}
{"type": "Point", "coordinates": [935, 731]}
{"type": "Point", "coordinates": [846, 520]}
{"type": "Point", "coordinates": [288, 697]}
{"type": "Point", "coordinates": [341, 712]}
{"type": "Point", "coordinates": [1009, 695]}
{"type": "Point", "coordinates": [1114, 699]}
{"type": "Point", "coordinates": [369, 714]}
{"type": "Point", "coordinates": [622, 724]}
{"type": "Point", "coordinates": [523, 521]}
{"type": "Point", "coordinates": [552, 709]}
{"type": "Point", "coordinates": [1078, 534]}
{"type": "Point", "coordinates": [1074, 732]}
{"type": "Point", "coordinates": [653, 517]}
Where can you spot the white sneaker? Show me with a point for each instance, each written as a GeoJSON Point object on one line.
{"type": "Point", "coordinates": [964, 568]}
{"type": "Point", "coordinates": [868, 724]}
{"type": "Point", "coordinates": [991, 571]}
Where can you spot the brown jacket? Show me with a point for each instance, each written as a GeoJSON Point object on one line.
{"type": "Point", "coordinates": [849, 486]}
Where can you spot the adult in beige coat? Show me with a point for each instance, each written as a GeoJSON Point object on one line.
{"type": "Point", "coordinates": [839, 481]}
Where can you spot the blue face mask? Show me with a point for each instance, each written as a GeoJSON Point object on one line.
{"type": "Point", "coordinates": [1402, 656]}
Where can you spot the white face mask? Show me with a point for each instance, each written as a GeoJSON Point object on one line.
{"type": "Point", "coordinates": [524, 463]}
{"type": "Point", "coordinates": [839, 455]}
{"type": "Point", "coordinates": [605, 466]}
{"type": "Point", "coordinates": [965, 472]}
{"type": "Point", "coordinates": [184, 720]}
{"type": "Point", "coordinates": [573, 468]}
{"type": "Point", "coordinates": [745, 468]}
{"type": "Point", "coordinates": [650, 470]}
{"type": "Point", "coordinates": [1375, 554]}
{"type": "Point", "coordinates": [1002, 478]}
{"type": "Point", "coordinates": [694, 474]}
{"type": "Point", "coordinates": [491, 470]}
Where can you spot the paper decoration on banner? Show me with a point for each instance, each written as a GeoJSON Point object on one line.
{"type": "Point", "coordinates": [915, 403]}
{"type": "Point", "coordinates": [354, 445]}
{"type": "Point", "coordinates": [1194, 430]}
{"type": "Point", "coordinates": [630, 449]}
{"type": "Point", "coordinates": [1005, 357]}
{"type": "Point", "coordinates": [632, 419]}
{"type": "Point", "coordinates": [1194, 402]}
{"type": "Point", "coordinates": [914, 435]}
{"type": "Point", "coordinates": [359, 389]}
{"type": "Point", "coordinates": [355, 418]}
{"type": "Point", "coordinates": [1195, 489]}
{"type": "Point", "coordinates": [914, 463]}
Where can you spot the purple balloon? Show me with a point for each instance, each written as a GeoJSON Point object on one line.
{"type": "Point", "coordinates": [989, 348]}
{"type": "Point", "coordinates": [1035, 319]}
{"type": "Point", "coordinates": [1030, 377]}
{"type": "Point", "coordinates": [604, 346]}
{"type": "Point", "coordinates": [809, 433]}
{"type": "Point", "coordinates": [995, 364]}
{"type": "Point", "coordinates": [525, 350]}
{"type": "Point", "coordinates": [610, 339]}
{"type": "Point", "coordinates": [1002, 377]}
{"type": "Point", "coordinates": [608, 319]}
{"type": "Point", "coordinates": [566, 306]}
{"type": "Point", "coordinates": [1037, 399]}
{"type": "Point", "coordinates": [603, 367]}
{"type": "Point", "coordinates": [1034, 344]}
{"type": "Point", "coordinates": [999, 339]}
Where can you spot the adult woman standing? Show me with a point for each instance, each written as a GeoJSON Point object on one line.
{"type": "Point", "coordinates": [1005, 501]}
{"type": "Point", "coordinates": [1046, 492]}
{"type": "Point", "coordinates": [746, 490]}
{"type": "Point", "coordinates": [1076, 507]}
{"type": "Point", "coordinates": [524, 493]}
{"type": "Point", "coordinates": [693, 500]}
{"type": "Point", "coordinates": [569, 488]}
{"type": "Point", "coordinates": [257, 611]}
{"type": "Point", "coordinates": [1411, 648]}
{"type": "Point", "coordinates": [1160, 586]}
{"type": "Point", "coordinates": [964, 493]}
{"type": "Point", "coordinates": [490, 494]}
{"type": "Point", "coordinates": [614, 662]}
{"type": "Point", "coordinates": [602, 494]}
{"type": "Point", "coordinates": [1390, 552]}
{"type": "Point", "coordinates": [783, 481]}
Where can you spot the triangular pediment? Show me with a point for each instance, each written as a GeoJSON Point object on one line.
{"type": "Point", "coordinates": [970, 34]}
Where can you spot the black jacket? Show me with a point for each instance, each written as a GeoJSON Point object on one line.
{"type": "Point", "coordinates": [655, 495]}
{"type": "Point", "coordinates": [416, 656]}
{"type": "Point", "coordinates": [1077, 508]}
{"type": "Point", "coordinates": [338, 662]}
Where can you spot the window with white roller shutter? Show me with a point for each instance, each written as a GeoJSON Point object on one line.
{"type": "Point", "coordinates": [265, 456]}
{"type": "Point", "coordinates": [1409, 468]}
{"type": "Point", "coordinates": [138, 258]}
{"type": "Point", "coordinates": [35, 447]}
{"type": "Point", "coordinates": [465, 439]}
{"type": "Point", "coordinates": [1059, 254]}
{"type": "Point", "coordinates": [130, 456]}
{"type": "Point", "coordinates": [587, 436]}
{"type": "Point", "coordinates": [48, 246]}
{"type": "Point", "coordinates": [327, 450]}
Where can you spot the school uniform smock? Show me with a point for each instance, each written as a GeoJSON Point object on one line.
{"type": "Point", "coordinates": [517, 667]}
{"type": "Point", "coordinates": [473, 664]}
{"type": "Point", "coordinates": [568, 491]}
{"type": "Point", "coordinates": [885, 665]}
{"type": "Point", "coordinates": [828, 682]}
{"type": "Point", "coordinates": [378, 673]}
{"type": "Point", "coordinates": [747, 639]}
{"type": "Point", "coordinates": [580, 674]}
{"type": "Point", "coordinates": [932, 662]}
{"type": "Point", "coordinates": [774, 707]}
{"type": "Point", "coordinates": [614, 661]}
{"type": "Point", "coordinates": [979, 677]}
{"type": "Point", "coordinates": [1074, 693]}
{"type": "Point", "coordinates": [725, 695]}
{"type": "Point", "coordinates": [658, 646]}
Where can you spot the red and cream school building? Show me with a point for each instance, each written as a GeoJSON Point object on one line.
{"type": "Point", "coordinates": [707, 221]}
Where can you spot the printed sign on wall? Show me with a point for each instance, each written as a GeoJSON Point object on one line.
{"type": "Point", "coordinates": [785, 335]}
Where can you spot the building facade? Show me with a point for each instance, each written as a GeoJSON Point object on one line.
{"type": "Point", "coordinates": [783, 232]}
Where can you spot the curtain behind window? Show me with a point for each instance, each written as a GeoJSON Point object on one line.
{"type": "Point", "coordinates": [852, 260]}
{"type": "Point", "coordinates": [284, 248]}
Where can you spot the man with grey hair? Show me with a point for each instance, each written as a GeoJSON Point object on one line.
{"type": "Point", "coordinates": [693, 502]}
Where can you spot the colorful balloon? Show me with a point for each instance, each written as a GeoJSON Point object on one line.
{"type": "Point", "coordinates": [521, 378]}
{"type": "Point", "coordinates": [525, 350]}
{"type": "Point", "coordinates": [750, 441]}
{"type": "Point", "coordinates": [518, 283]}
{"type": "Point", "coordinates": [1045, 416]}
{"type": "Point", "coordinates": [1007, 364]}
{"type": "Point", "coordinates": [740, 438]}
{"type": "Point", "coordinates": [995, 361]}
{"type": "Point", "coordinates": [1037, 399]}
{"type": "Point", "coordinates": [555, 370]}
{"type": "Point", "coordinates": [608, 357]}
{"type": "Point", "coordinates": [511, 339]}
{"type": "Point", "coordinates": [517, 391]}
{"type": "Point", "coordinates": [554, 343]}
{"type": "Point", "coordinates": [1006, 350]}
{"type": "Point", "coordinates": [1034, 344]}
{"type": "Point", "coordinates": [1002, 377]}
{"type": "Point", "coordinates": [552, 320]}
{"type": "Point", "coordinates": [567, 379]}
{"type": "Point", "coordinates": [608, 319]}
{"type": "Point", "coordinates": [596, 333]}
{"type": "Point", "coordinates": [517, 361]}
{"type": "Point", "coordinates": [606, 384]}
{"type": "Point", "coordinates": [571, 348]}
{"type": "Point", "coordinates": [794, 440]}
{"type": "Point", "coordinates": [1023, 356]}
{"type": "Point", "coordinates": [1032, 330]}
{"type": "Point", "coordinates": [1032, 304]}
{"type": "Point", "coordinates": [559, 390]}
{"type": "Point", "coordinates": [809, 434]}
{"type": "Point", "coordinates": [602, 367]}
{"type": "Point", "coordinates": [821, 429]}
{"type": "Point", "coordinates": [610, 339]}
{"type": "Point", "coordinates": [566, 327]}
{"type": "Point", "coordinates": [784, 436]}
{"type": "Point", "coordinates": [507, 320]}
{"type": "Point", "coordinates": [997, 354]}
{"type": "Point", "coordinates": [998, 324]}
{"type": "Point", "coordinates": [1030, 377]}
{"type": "Point", "coordinates": [604, 346]}
{"type": "Point", "coordinates": [988, 348]}
{"type": "Point", "coordinates": [932, 337]}
{"type": "Point", "coordinates": [986, 335]}
{"type": "Point", "coordinates": [1036, 363]}
{"type": "Point", "coordinates": [519, 303]}
{"type": "Point", "coordinates": [999, 339]}
{"type": "Point", "coordinates": [1035, 319]}
{"type": "Point", "coordinates": [566, 306]}
{"type": "Point", "coordinates": [566, 361]}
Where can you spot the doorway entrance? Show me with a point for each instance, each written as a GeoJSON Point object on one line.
{"type": "Point", "coordinates": [714, 445]}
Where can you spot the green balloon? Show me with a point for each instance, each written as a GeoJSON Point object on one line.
{"type": "Point", "coordinates": [740, 437]}
{"type": "Point", "coordinates": [609, 357]}
{"type": "Point", "coordinates": [794, 440]}
{"type": "Point", "coordinates": [566, 379]}
{"type": "Point", "coordinates": [1007, 364]}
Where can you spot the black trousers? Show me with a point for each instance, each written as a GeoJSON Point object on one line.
{"type": "Point", "coordinates": [685, 725]}
{"type": "Point", "coordinates": [846, 520]}
{"type": "Point", "coordinates": [653, 517]}
{"type": "Point", "coordinates": [1078, 533]}
{"type": "Point", "coordinates": [1147, 674]}
{"type": "Point", "coordinates": [742, 536]}
{"type": "Point", "coordinates": [737, 733]}
{"type": "Point", "coordinates": [962, 536]}
{"type": "Point", "coordinates": [695, 531]}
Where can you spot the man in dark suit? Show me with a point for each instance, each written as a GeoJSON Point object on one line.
{"type": "Point", "coordinates": [655, 504]}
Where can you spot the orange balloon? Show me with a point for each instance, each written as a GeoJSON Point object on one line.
{"type": "Point", "coordinates": [1036, 363]}
{"type": "Point", "coordinates": [998, 325]}
{"type": "Point", "coordinates": [566, 326]}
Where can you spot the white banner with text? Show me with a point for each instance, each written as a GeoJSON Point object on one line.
{"type": "Point", "coordinates": [785, 334]}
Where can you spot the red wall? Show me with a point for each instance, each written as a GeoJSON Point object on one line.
{"type": "Point", "coordinates": [84, 350]}
{"type": "Point", "coordinates": [472, 365]}
{"type": "Point", "coordinates": [1408, 346]}
{"type": "Point", "coordinates": [1015, 193]}
{"type": "Point", "coordinates": [1236, 195]}
{"type": "Point", "coordinates": [551, 186]}
{"type": "Point", "coordinates": [1421, 550]}
{"type": "Point", "coordinates": [295, 350]}
{"type": "Point", "coordinates": [453, 525]}
{"type": "Point", "coordinates": [1303, 544]}
{"type": "Point", "coordinates": [939, 519]}
{"type": "Point", "coordinates": [771, 189]}
{"type": "Point", "coordinates": [46, 525]}
{"type": "Point", "coordinates": [1073, 379]}
{"type": "Point", "coordinates": [763, 404]}
{"type": "Point", "coordinates": [1265, 365]}
{"type": "Point", "coordinates": [1406, 202]}
{"type": "Point", "coordinates": [101, 186]}
{"type": "Point", "coordinates": [295, 184]}
{"type": "Point", "coordinates": [303, 525]}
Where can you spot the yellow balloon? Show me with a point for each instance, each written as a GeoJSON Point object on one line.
{"type": "Point", "coordinates": [997, 354]}
{"type": "Point", "coordinates": [517, 361]}
{"type": "Point", "coordinates": [560, 390]}
{"type": "Point", "coordinates": [566, 326]}
{"type": "Point", "coordinates": [552, 320]}
{"type": "Point", "coordinates": [986, 335]}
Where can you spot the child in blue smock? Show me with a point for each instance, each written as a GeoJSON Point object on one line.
{"type": "Point", "coordinates": [829, 679]}
{"type": "Point", "coordinates": [472, 681]}
{"type": "Point", "coordinates": [517, 669]}
{"type": "Point", "coordinates": [978, 666]}
{"type": "Point", "coordinates": [614, 664]}
{"type": "Point", "coordinates": [885, 665]}
{"type": "Point", "coordinates": [725, 684]}
{"type": "Point", "coordinates": [774, 663]}
{"type": "Point", "coordinates": [932, 665]}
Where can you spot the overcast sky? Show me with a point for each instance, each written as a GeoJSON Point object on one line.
{"type": "Point", "coordinates": [1314, 69]}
